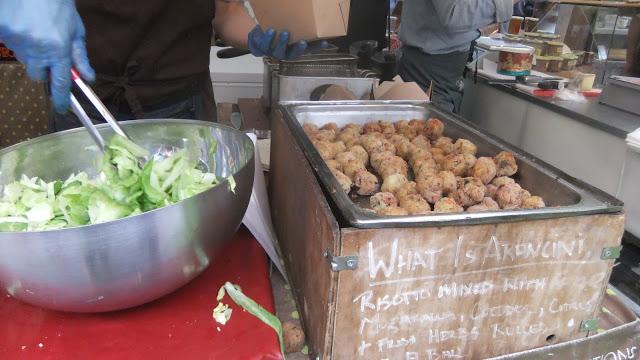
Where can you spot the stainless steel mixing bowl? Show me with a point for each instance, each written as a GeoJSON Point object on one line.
{"type": "Point", "coordinates": [131, 261]}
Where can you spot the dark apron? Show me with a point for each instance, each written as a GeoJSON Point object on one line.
{"type": "Point", "coordinates": [149, 54]}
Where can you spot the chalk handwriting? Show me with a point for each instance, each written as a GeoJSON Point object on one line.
{"type": "Point", "coordinates": [620, 354]}
{"type": "Point", "coordinates": [397, 263]}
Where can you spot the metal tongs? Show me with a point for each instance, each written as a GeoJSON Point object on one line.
{"type": "Point", "coordinates": [95, 101]}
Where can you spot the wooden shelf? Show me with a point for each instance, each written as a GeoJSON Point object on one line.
{"type": "Point", "coordinates": [615, 4]}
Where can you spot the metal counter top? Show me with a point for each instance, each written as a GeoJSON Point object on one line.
{"type": "Point", "coordinates": [611, 120]}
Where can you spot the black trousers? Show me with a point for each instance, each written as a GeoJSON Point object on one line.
{"type": "Point", "coordinates": [443, 71]}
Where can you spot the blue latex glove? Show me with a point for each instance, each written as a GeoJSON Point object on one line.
{"type": "Point", "coordinates": [261, 44]}
{"type": "Point", "coordinates": [48, 37]}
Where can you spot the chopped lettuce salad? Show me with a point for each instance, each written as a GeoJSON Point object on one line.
{"type": "Point", "coordinates": [123, 188]}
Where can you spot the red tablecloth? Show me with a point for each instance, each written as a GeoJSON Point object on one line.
{"type": "Point", "coordinates": [178, 326]}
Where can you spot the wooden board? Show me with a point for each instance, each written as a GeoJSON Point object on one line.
{"type": "Point", "coordinates": [253, 116]}
{"type": "Point", "coordinates": [306, 229]}
{"type": "Point", "coordinates": [471, 292]}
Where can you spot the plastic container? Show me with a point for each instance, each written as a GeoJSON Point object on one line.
{"type": "Point", "coordinates": [554, 64]}
{"type": "Point", "coordinates": [553, 48]}
{"type": "Point", "coordinates": [515, 63]}
{"type": "Point", "coordinates": [515, 25]}
{"type": "Point", "coordinates": [588, 58]}
{"type": "Point", "coordinates": [530, 23]}
{"type": "Point", "coordinates": [580, 55]}
{"type": "Point", "coordinates": [569, 62]}
{"type": "Point", "coordinates": [542, 62]}
{"type": "Point", "coordinates": [547, 36]}
{"type": "Point", "coordinates": [586, 81]}
{"type": "Point", "coordinates": [536, 44]}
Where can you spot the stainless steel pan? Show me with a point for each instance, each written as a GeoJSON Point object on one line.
{"type": "Point", "coordinates": [564, 195]}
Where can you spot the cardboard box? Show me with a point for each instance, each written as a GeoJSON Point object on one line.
{"type": "Point", "coordinates": [399, 90]}
{"type": "Point", "coordinates": [304, 19]}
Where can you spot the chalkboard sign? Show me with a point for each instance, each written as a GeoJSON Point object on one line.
{"type": "Point", "coordinates": [469, 292]}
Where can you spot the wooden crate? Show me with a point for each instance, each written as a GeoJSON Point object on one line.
{"type": "Point", "coordinates": [456, 292]}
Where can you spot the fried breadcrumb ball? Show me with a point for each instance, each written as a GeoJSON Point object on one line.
{"type": "Point", "coordinates": [377, 158]}
{"type": "Point", "coordinates": [387, 129]}
{"type": "Point", "coordinates": [484, 169]}
{"type": "Point", "coordinates": [419, 125]}
{"type": "Point", "coordinates": [326, 149]}
{"type": "Point", "coordinates": [449, 182]}
{"type": "Point", "coordinates": [325, 135]}
{"type": "Point", "coordinates": [477, 208]}
{"type": "Point", "coordinates": [360, 153]}
{"type": "Point", "coordinates": [333, 164]}
{"type": "Point", "coordinates": [383, 200]}
{"type": "Point", "coordinates": [470, 191]}
{"type": "Point", "coordinates": [456, 163]}
{"type": "Point", "coordinates": [352, 126]}
{"type": "Point", "coordinates": [421, 142]}
{"type": "Point", "coordinates": [509, 196]}
{"type": "Point", "coordinates": [444, 143]}
{"type": "Point", "coordinates": [371, 127]}
{"type": "Point", "coordinates": [310, 129]}
{"type": "Point", "coordinates": [343, 180]}
{"type": "Point", "coordinates": [438, 155]}
{"type": "Point", "coordinates": [404, 148]}
{"type": "Point", "coordinates": [330, 126]}
{"type": "Point", "coordinates": [403, 128]}
{"type": "Point", "coordinates": [423, 167]}
{"type": "Point", "coordinates": [393, 183]}
{"type": "Point", "coordinates": [415, 205]}
{"type": "Point", "coordinates": [469, 160]}
{"type": "Point", "coordinates": [345, 157]}
{"type": "Point", "coordinates": [502, 180]}
{"type": "Point", "coordinates": [392, 165]}
{"type": "Point", "coordinates": [366, 183]}
{"type": "Point", "coordinates": [464, 146]}
{"type": "Point", "coordinates": [447, 205]}
{"type": "Point", "coordinates": [491, 191]}
{"type": "Point", "coordinates": [430, 187]}
{"type": "Point", "coordinates": [434, 129]}
{"type": "Point", "coordinates": [487, 204]}
{"type": "Point", "coordinates": [349, 136]}
{"type": "Point", "coordinates": [490, 204]}
{"type": "Point", "coordinates": [393, 211]}
{"type": "Point", "coordinates": [533, 202]}
{"type": "Point", "coordinates": [371, 143]}
{"type": "Point", "coordinates": [350, 168]}
{"type": "Point", "coordinates": [406, 189]}
{"type": "Point", "coordinates": [506, 164]}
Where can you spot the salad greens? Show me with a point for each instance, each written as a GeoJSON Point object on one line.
{"type": "Point", "coordinates": [123, 188]}
{"type": "Point", "coordinates": [222, 312]}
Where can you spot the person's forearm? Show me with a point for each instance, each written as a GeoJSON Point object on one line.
{"type": "Point", "coordinates": [232, 23]}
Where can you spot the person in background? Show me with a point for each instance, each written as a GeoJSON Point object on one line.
{"type": "Point", "coordinates": [437, 37]}
{"type": "Point", "coordinates": [632, 66]}
{"type": "Point", "coordinates": [145, 59]}
{"type": "Point", "coordinates": [523, 8]}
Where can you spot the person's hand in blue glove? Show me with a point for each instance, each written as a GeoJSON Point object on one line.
{"type": "Point", "coordinates": [48, 37]}
{"type": "Point", "coordinates": [261, 43]}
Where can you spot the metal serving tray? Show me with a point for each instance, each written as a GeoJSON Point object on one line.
{"type": "Point", "coordinates": [565, 196]}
